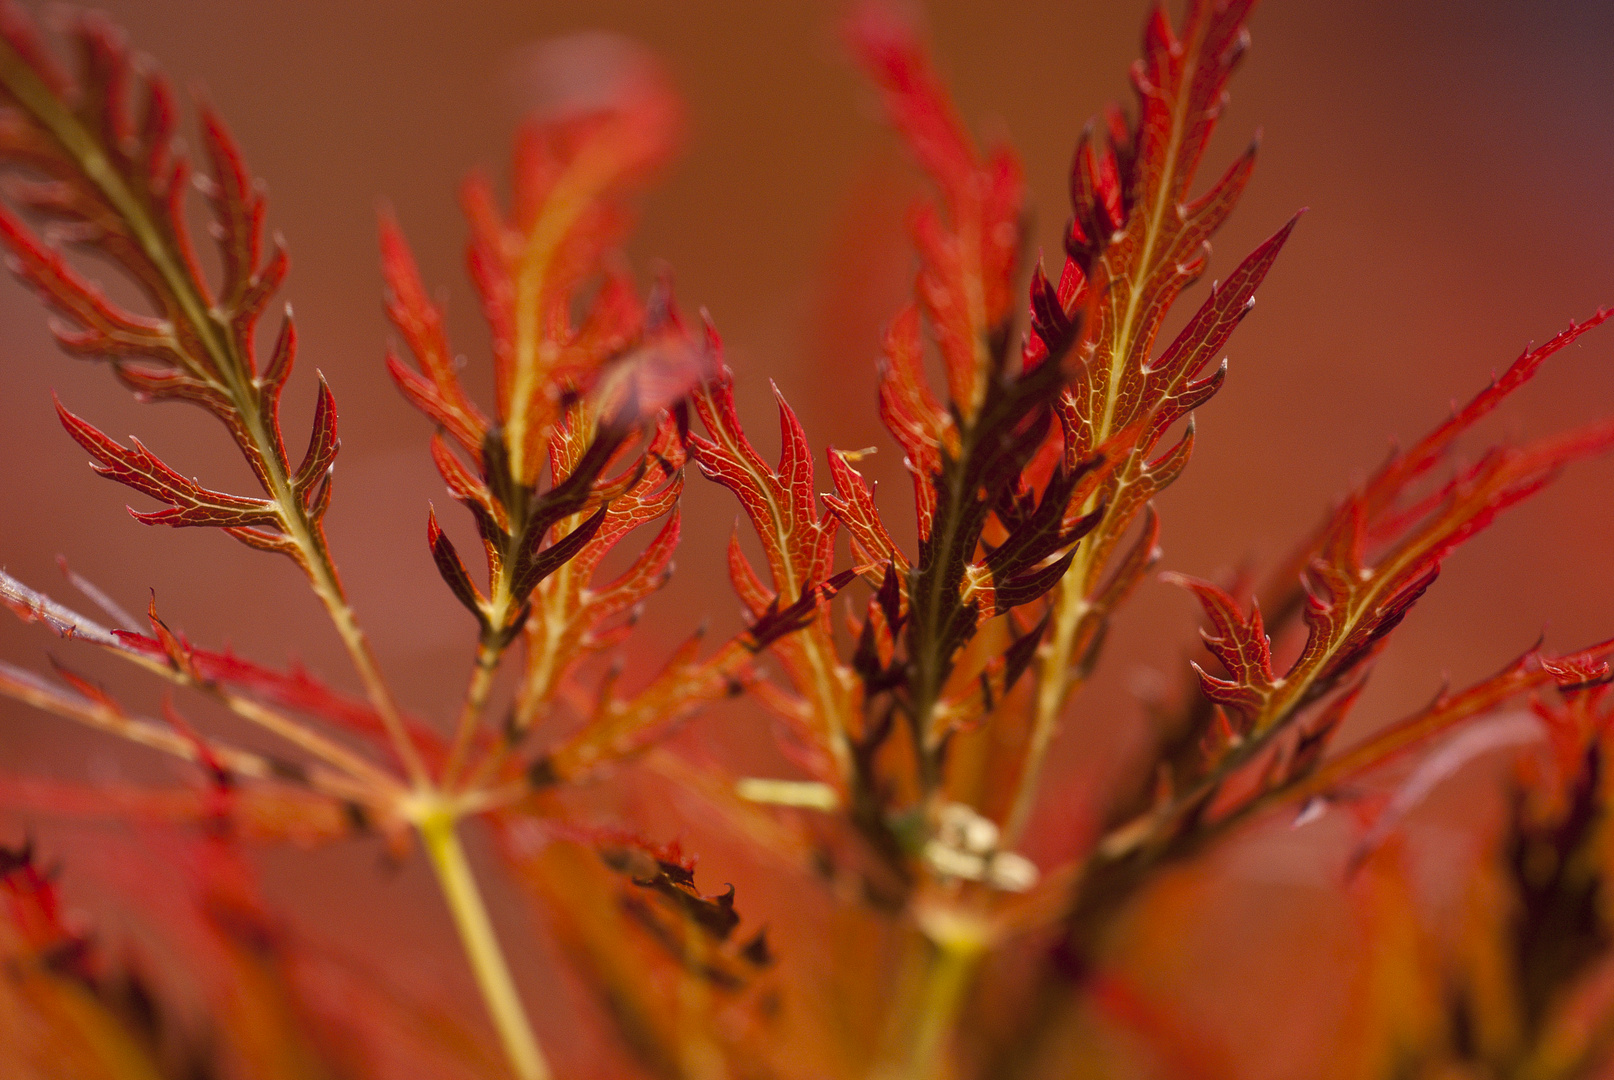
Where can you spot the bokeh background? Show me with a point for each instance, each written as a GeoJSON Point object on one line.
{"type": "Point", "coordinates": [1457, 157]}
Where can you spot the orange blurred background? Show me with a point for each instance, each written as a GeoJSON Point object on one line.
{"type": "Point", "coordinates": [1458, 160]}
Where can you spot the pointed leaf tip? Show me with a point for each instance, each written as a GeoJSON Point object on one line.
{"type": "Point", "coordinates": [452, 569]}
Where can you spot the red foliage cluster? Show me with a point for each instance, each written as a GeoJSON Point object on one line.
{"type": "Point", "coordinates": [919, 723]}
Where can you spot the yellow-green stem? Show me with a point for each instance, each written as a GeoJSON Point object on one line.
{"type": "Point", "coordinates": [928, 1008]}
{"type": "Point", "coordinates": [1054, 665]}
{"type": "Point", "coordinates": [476, 699]}
{"type": "Point", "coordinates": [322, 575]}
{"type": "Point", "coordinates": [441, 839]}
{"type": "Point", "coordinates": [1054, 684]}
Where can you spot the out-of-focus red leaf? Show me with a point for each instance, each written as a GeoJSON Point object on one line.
{"type": "Point", "coordinates": [1532, 671]}
{"type": "Point", "coordinates": [439, 394]}
{"type": "Point", "coordinates": [573, 174]}
{"type": "Point", "coordinates": [970, 255]}
{"type": "Point", "coordinates": [62, 1013]}
{"type": "Point", "coordinates": [257, 813]}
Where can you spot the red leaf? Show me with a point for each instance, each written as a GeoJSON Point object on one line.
{"type": "Point", "coordinates": [1388, 485]}
{"type": "Point", "coordinates": [855, 509]}
{"type": "Point", "coordinates": [98, 328]}
{"type": "Point", "coordinates": [968, 261]}
{"type": "Point", "coordinates": [192, 504]}
{"type": "Point", "coordinates": [1240, 644]}
{"type": "Point", "coordinates": [420, 322]}
{"type": "Point", "coordinates": [452, 569]}
{"type": "Point", "coordinates": [573, 174]}
{"type": "Point", "coordinates": [1169, 379]}
{"type": "Point", "coordinates": [912, 414]}
{"type": "Point", "coordinates": [1528, 672]}
{"type": "Point", "coordinates": [238, 207]}
{"type": "Point", "coordinates": [118, 189]}
{"type": "Point", "coordinates": [798, 542]}
{"type": "Point", "coordinates": [322, 445]}
{"type": "Point", "coordinates": [1357, 597]}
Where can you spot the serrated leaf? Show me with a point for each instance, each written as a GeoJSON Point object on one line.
{"type": "Point", "coordinates": [118, 188]}
{"type": "Point", "coordinates": [439, 394]}
{"type": "Point", "coordinates": [534, 564]}
{"type": "Point", "coordinates": [854, 507]}
{"type": "Point", "coordinates": [452, 569]}
{"type": "Point", "coordinates": [1242, 646]}
{"type": "Point", "coordinates": [913, 416]}
{"type": "Point", "coordinates": [1170, 380]}
{"type": "Point", "coordinates": [572, 176]}
{"type": "Point", "coordinates": [799, 544]}
{"type": "Point", "coordinates": [969, 257]}
{"type": "Point", "coordinates": [1355, 599]}
{"type": "Point", "coordinates": [779, 501]}
{"type": "Point", "coordinates": [322, 445]}
{"type": "Point", "coordinates": [191, 504]}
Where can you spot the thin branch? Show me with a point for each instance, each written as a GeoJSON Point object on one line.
{"type": "Point", "coordinates": [31, 92]}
